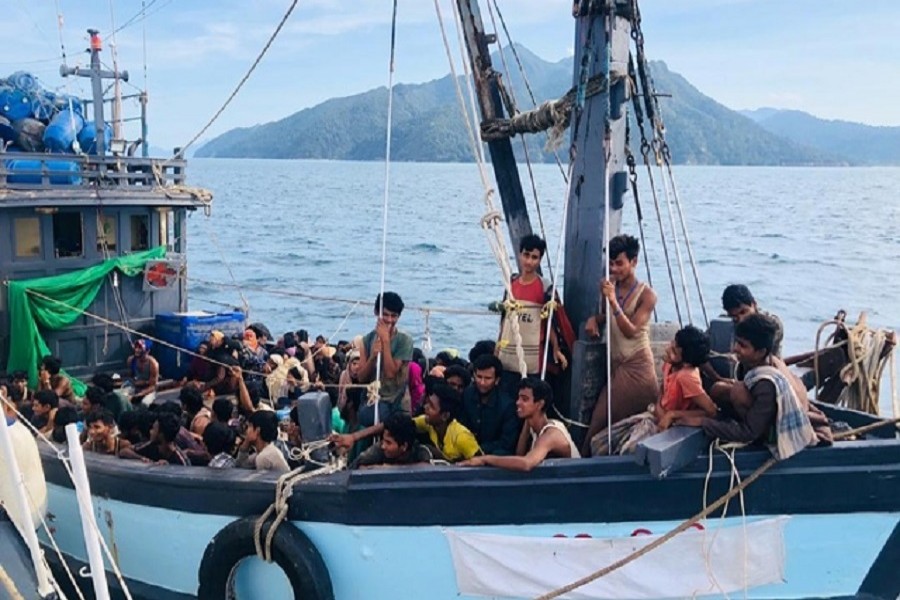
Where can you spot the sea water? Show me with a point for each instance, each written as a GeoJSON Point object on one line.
{"type": "Point", "coordinates": [301, 241]}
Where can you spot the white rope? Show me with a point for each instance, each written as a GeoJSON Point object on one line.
{"type": "Point", "coordinates": [284, 489]}
{"type": "Point", "coordinates": [472, 117]}
{"type": "Point", "coordinates": [525, 152]}
{"type": "Point", "coordinates": [240, 290]}
{"type": "Point", "coordinates": [687, 242]}
{"type": "Point", "coordinates": [387, 191]}
{"type": "Point", "coordinates": [477, 151]}
{"type": "Point", "coordinates": [678, 259]}
{"type": "Point", "coordinates": [491, 221]}
{"type": "Point", "coordinates": [607, 197]}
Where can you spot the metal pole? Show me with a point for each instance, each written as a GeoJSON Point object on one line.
{"type": "Point", "coordinates": [22, 509]}
{"type": "Point", "coordinates": [88, 523]}
{"type": "Point", "coordinates": [145, 145]}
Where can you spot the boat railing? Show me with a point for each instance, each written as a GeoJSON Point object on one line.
{"type": "Point", "coordinates": [30, 171]}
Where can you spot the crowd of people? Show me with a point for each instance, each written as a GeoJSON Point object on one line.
{"type": "Point", "coordinates": [236, 406]}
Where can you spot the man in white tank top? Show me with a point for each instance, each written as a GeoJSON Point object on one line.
{"type": "Point", "coordinates": [540, 437]}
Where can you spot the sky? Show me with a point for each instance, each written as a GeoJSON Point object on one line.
{"type": "Point", "coordinates": [836, 60]}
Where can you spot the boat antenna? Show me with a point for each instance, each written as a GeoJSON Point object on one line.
{"type": "Point", "coordinates": [117, 87]}
{"type": "Point", "coordinates": [96, 75]}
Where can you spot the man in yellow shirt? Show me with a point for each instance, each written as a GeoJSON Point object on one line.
{"type": "Point", "coordinates": [446, 433]}
{"type": "Point", "coordinates": [449, 436]}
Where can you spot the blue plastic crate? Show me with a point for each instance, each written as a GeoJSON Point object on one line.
{"type": "Point", "coordinates": [187, 330]}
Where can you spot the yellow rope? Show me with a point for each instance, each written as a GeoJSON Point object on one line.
{"type": "Point", "coordinates": [842, 435]}
{"type": "Point", "coordinates": [662, 540]}
{"type": "Point", "coordinates": [10, 585]}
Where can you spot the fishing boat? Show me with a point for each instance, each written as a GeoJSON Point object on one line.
{"type": "Point", "coordinates": [685, 519]}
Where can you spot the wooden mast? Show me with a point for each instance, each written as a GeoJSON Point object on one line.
{"type": "Point", "coordinates": [592, 142]}
{"type": "Point", "coordinates": [486, 85]}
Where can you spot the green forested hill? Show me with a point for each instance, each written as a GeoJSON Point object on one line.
{"type": "Point", "coordinates": [428, 125]}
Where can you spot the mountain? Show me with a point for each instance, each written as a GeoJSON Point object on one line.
{"type": "Point", "coordinates": [855, 142]}
{"type": "Point", "coordinates": [428, 125]}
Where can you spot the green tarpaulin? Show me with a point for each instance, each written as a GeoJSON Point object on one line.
{"type": "Point", "coordinates": [62, 300]}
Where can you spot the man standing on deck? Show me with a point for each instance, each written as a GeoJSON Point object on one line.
{"type": "Point", "coordinates": [632, 376]}
{"type": "Point", "coordinates": [530, 292]}
{"type": "Point", "coordinates": [395, 349]}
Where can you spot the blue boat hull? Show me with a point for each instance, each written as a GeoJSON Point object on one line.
{"type": "Point", "coordinates": [839, 539]}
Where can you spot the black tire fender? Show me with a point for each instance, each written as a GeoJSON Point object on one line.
{"type": "Point", "coordinates": [292, 551]}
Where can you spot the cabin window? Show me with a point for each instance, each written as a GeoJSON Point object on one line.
{"type": "Point", "coordinates": [67, 235]}
{"type": "Point", "coordinates": [28, 237]}
{"type": "Point", "coordinates": [140, 233]}
{"type": "Point", "coordinates": [107, 234]}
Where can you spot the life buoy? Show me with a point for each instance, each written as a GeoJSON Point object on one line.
{"type": "Point", "coordinates": [160, 275]}
{"type": "Point", "coordinates": [292, 551]}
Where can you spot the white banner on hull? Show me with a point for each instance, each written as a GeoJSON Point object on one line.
{"type": "Point", "coordinates": [696, 563]}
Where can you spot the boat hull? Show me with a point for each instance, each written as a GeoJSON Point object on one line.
{"type": "Point", "coordinates": [384, 533]}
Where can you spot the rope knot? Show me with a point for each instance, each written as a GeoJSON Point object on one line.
{"type": "Point", "coordinates": [373, 393]}
{"type": "Point", "coordinates": [491, 219]}
{"type": "Point", "coordinates": [511, 305]}
{"type": "Point", "coordinates": [548, 309]}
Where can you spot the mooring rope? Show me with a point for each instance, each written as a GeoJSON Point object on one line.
{"type": "Point", "coordinates": [241, 83]}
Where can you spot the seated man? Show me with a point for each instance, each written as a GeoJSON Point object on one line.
{"type": "Point", "coordinates": [50, 378]}
{"type": "Point", "coordinates": [219, 441]}
{"type": "Point", "coordinates": [144, 373]}
{"type": "Point", "coordinates": [44, 408]}
{"type": "Point", "coordinates": [115, 400]}
{"type": "Point", "coordinates": [398, 446]}
{"type": "Point", "coordinates": [93, 401]}
{"type": "Point", "coordinates": [540, 437]}
{"type": "Point", "coordinates": [197, 415]}
{"type": "Point", "coordinates": [774, 414]}
{"type": "Point", "coordinates": [739, 303]}
{"type": "Point", "coordinates": [487, 412]}
{"type": "Point", "coordinates": [101, 431]}
{"type": "Point", "coordinates": [458, 377]}
{"type": "Point", "coordinates": [20, 394]}
{"type": "Point", "coordinates": [262, 430]}
{"type": "Point", "coordinates": [161, 449]}
{"type": "Point", "coordinates": [450, 437]}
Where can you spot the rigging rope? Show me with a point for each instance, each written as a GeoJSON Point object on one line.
{"type": "Point", "coordinates": [687, 237]}
{"type": "Point", "coordinates": [259, 57]}
{"type": "Point", "coordinates": [491, 221]}
{"type": "Point", "coordinates": [387, 194]}
{"type": "Point", "coordinates": [678, 259]}
{"type": "Point", "coordinates": [526, 153]}
{"type": "Point", "coordinates": [645, 151]}
{"type": "Point", "coordinates": [525, 80]}
{"type": "Point", "coordinates": [607, 197]}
